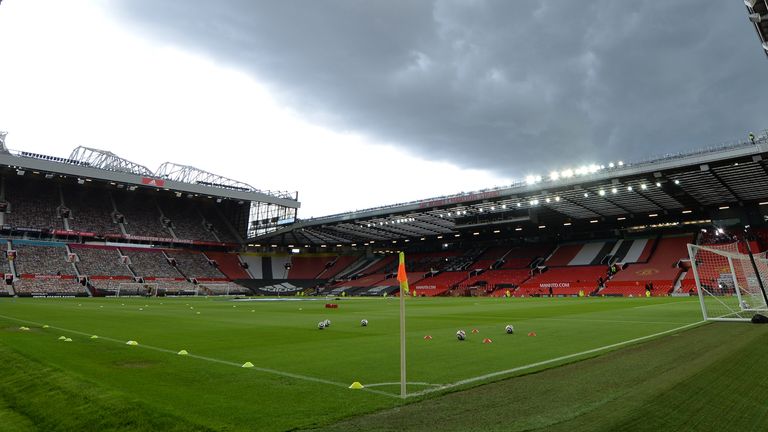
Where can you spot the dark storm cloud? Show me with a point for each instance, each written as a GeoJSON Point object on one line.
{"type": "Point", "coordinates": [505, 85]}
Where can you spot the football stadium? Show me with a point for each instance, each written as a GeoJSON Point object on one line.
{"type": "Point", "coordinates": [613, 296]}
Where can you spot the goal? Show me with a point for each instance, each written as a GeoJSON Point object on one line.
{"type": "Point", "coordinates": [729, 283]}
{"type": "Point", "coordinates": [125, 289]}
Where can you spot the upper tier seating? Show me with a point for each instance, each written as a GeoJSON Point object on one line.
{"type": "Point", "coordinates": [91, 211]}
{"type": "Point", "coordinates": [32, 205]}
{"type": "Point", "coordinates": [142, 217]}
{"type": "Point", "coordinates": [194, 264]}
{"type": "Point", "coordinates": [42, 260]}
{"type": "Point", "coordinates": [100, 261]}
{"type": "Point", "coordinates": [187, 222]}
{"type": "Point", "coordinates": [223, 232]}
{"type": "Point", "coordinates": [150, 263]}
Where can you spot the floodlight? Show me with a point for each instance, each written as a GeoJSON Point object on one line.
{"type": "Point", "coordinates": [629, 188]}
{"type": "Point", "coordinates": [557, 199]}
{"type": "Point", "coordinates": [554, 175]}
{"type": "Point", "coordinates": [601, 192]}
{"type": "Point", "coordinates": [504, 206]}
{"type": "Point", "coordinates": [614, 190]}
{"type": "Point", "coordinates": [530, 179]}
{"type": "Point", "coordinates": [610, 165]}
{"type": "Point", "coordinates": [643, 186]}
{"type": "Point", "coordinates": [757, 18]}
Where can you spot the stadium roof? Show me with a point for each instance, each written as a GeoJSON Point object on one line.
{"type": "Point", "coordinates": [758, 15]}
{"type": "Point", "coordinates": [93, 164]}
{"type": "Point", "coordinates": [675, 187]}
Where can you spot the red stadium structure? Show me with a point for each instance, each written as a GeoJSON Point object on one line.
{"type": "Point", "coordinates": [95, 224]}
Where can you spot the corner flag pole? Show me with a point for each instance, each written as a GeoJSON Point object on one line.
{"type": "Point", "coordinates": [403, 279]}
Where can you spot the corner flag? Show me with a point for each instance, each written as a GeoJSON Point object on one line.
{"type": "Point", "coordinates": [402, 277]}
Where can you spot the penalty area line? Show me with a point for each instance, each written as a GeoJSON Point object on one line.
{"type": "Point", "coordinates": [210, 359]}
{"type": "Point", "coordinates": [550, 361]}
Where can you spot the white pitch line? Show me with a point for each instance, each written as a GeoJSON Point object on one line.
{"type": "Point", "coordinates": [409, 383]}
{"type": "Point", "coordinates": [605, 320]}
{"type": "Point", "coordinates": [550, 361]}
{"type": "Point", "coordinates": [210, 359]}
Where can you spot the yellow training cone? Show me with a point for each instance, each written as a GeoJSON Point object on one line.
{"type": "Point", "coordinates": [45, 326]}
{"type": "Point", "coordinates": [94, 337]}
{"type": "Point", "coordinates": [62, 337]}
{"type": "Point", "coordinates": [247, 365]}
{"type": "Point", "coordinates": [132, 343]}
{"type": "Point", "coordinates": [22, 328]}
{"type": "Point", "coordinates": [183, 352]}
{"type": "Point", "coordinates": [356, 385]}
{"type": "Point", "coordinates": [68, 340]}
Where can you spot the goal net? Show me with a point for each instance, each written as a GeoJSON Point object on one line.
{"type": "Point", "coordinates": [127, 289]}
{"type": "Point", "coordinates": [729, 288]}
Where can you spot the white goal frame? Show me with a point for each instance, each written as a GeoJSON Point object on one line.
{"type": "Point", "coordinates": [731, 292]}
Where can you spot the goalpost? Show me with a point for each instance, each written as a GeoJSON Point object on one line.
{"type": "Point", "coordinates": [136, 289]}
{"type": "Point", "coordinates": [731, 284]}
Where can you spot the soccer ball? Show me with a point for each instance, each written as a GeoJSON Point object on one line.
{"type": "Point", "coordinates": [321, 325]}
{"type": "Point", "coordinates": [509, 329]}
{"type": "Point", "coordinates": [364, 323]}
{"type": "Point", "coordinates": [461, 335]}
{"type": "Point", "coordinates": [327, 323]}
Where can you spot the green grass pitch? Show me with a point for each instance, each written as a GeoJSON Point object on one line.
{"type": "Point", "coordinates": [644, 358]}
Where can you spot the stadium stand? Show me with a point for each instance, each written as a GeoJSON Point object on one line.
{"type": "Point", "coordinates": [568, 280]}
{"type": "Point", "coordinates": [222, 288]}
{"type": "Point", "coordinates": [433, 285]}
{"type": "Point", "coordinates": [142, 217]}
{"type": "Point", "coordinates": [661, 270]}
{"type": "Point", "coordinates": [308, 267]}
{"type": "Point", "coordinates": [41, 259]}
{"type": "Point", "coordinates": [91, 210]}
{"type": "Point", "coordinates": [48, 286]}
{"type": "Point", "coordinates": [32, 205]}
{"type": "Point", "coordinates": [492, 280]}
{"type": "Point", "coordinates": [100, 261]}
{"type": "Point", "coordinates": [150, 263]}
{"type": "Point", "coordinates": [337, 266]}
{"type": "Point", "coordinates": [229, 264]}
{"type": "Point", "coordinates": [186, 220]}
{"type": "Point", "coordinates": [194, 264]}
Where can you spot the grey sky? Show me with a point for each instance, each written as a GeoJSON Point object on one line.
{"type": "Point", "coordinates": [503, 85]}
